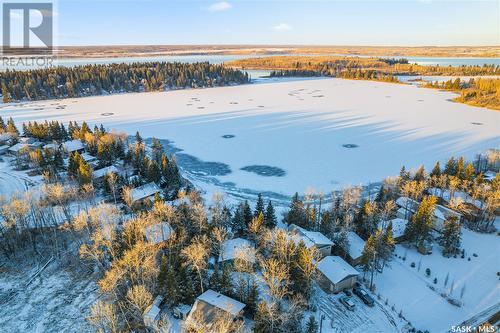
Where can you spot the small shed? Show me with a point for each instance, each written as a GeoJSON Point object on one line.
{"type": "Point", "coordinates": [356, 246]}
{"type": "Point", "coordinates": [336, 275]}
{"type": "Point", "coordinates": [151, 315]}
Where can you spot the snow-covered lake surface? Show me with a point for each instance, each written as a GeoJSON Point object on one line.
{"type": "Point", "coordinates": [301, 128]}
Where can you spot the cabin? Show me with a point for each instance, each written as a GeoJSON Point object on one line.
{"type": "Point", "coordinates": [336, 275]}
{"type": "Point", "coordinates": [490, 175]}
{"type": "Point", "coordinates": [53, 147]}
{"type": "Point", "coordinates": [73, 146]}
{"type": "Point", "coordinates": [19, 149]}
{"type": "Point", "coordinates": [211, 303]}
{"type": "Point", "coordinates": [99, 174]}
{"type": "Point", "coordinates": [447, 196]}
{"type": "Point", "coordinates": [158, 233]}
{"type": "Point", "coordinates": [231, 247]}
{"type": "Point", "coordinates": [144, 192]}
{"type": "Point", "coordinates": [311, 239]}
{"type": "Point", "coordinates": [408, 207]}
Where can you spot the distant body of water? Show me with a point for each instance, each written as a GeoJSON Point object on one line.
{"type": "Point", "coordinates": [218, 59]}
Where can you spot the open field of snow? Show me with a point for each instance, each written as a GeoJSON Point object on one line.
{"type": "Point", "coordinates": [298, 128]}
{"type": "Point", "coordinates": [425, 308]}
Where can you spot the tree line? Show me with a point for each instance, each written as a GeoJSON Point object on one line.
{"type": "Point", "coordinates": [89, 80]}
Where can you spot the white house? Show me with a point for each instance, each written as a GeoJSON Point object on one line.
{"type": "Point", "coordinates": [18, 148]}
{"type": "Point", "coordinates": [335, 274]}
{"type": "Point", "coordinates": [158, 232]}
{"type": "Point", "coordinates": [210, 303]}
{"type": "Point", "coordinates": [311, 238]}
{"type": "Point", "coordinates": [230, 248]}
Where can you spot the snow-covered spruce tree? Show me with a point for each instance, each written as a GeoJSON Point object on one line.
{"type": "Point", "coordinates": [270, 220]}
{"type": "Point", "coordinates": [297, 213]}
{"type": "Point", "coordinates": [259, 206]}
{"type": "Point", "coordinates": [450, 239]}
{"type": "Point", "coordinates": [419, 227]}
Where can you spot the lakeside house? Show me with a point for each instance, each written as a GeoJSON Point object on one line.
{"type": "Point", "coordinates": [144, 192]}
{"type": "Point", "coordinates": [72, 146]}
{"type": "Point", "coordinates": [408, 207]}
{"type": "Point", "coordinates": [311, 239]}
{"type": "Point", "coordinates": [211, 303]}
{"type": "Point", "coordinates": [336, 275]}
{"type": "Point", "coordinates": [99, 174]}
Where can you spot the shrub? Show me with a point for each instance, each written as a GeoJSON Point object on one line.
{"type": "Point", "coordinates": [412, 265]}
{"type": "Point", "coordinates": [428, 271]}
{"type": "Point", "coordinates": [435, 280]}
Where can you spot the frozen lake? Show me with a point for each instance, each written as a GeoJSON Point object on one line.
{"type": "Point", "coordinates": [289, 136]}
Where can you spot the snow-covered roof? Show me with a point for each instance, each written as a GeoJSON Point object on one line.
{"type": "Point", "coordinates": [73, 145]}
{"type": "Point", "coordinates": [398, 226]}
{"type": "Point", "coordinates": [18, 147]}
{"type": "Point", "coordinates": [88, 158]}
{"type": "Point", "coordinates": [409, 203]}
{"type": "Point", "coordinates": [51, 146]}
{"type": "Point", "coordinates": [152, 313]}
{"type": "Point", "coordinates": [144, 191]}
{"type": "Point", "coordinates": [231, 246]}
{"type": "Point", "coordinates": [220, 301]}
{"type": "Point", "coordinates": [356, 245]}
{"type": "Point", "coordinates": [5, 137]}
{"type": "Point", "coordinates": [99, 173]}
{"type": "Point", "coordinates": [310, 238]}
{"type": "Point", "coordinates": [26, 139]}
{"type": "Point", "coordinates": [335, 269]}
{"type": "Point", "coordinates": [159, 232]}
{"type": "Point", "coordinates": [490, 175]}
{"type": "Point", "coordinates": [446, 196]}
{"type": "Point", "coordinates": [4, 148]}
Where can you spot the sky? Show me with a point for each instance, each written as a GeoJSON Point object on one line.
{"type": "Point", "coordinates": [327, 22]}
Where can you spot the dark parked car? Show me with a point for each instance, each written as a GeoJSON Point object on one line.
{"type": "Point", "coordinates": [363, 295]}
{"type": "Point", "coordinates": [347, 292]}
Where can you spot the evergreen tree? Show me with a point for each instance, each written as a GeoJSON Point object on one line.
{"type": "Point", "coordinates": [436, 171]}
{"type": "Point", "coordinates": [469, 172]}
{"type": "Point", "coordinates": [259, 206]}
{"type": "Point", "coordinates": [312, 325]}
{"type": "Point", "coordinates": [419, 227]}
{"type": "Point", "coordinates": [270, 220]}
{"type": "Point", "coordinates": [11, 127]}
{"type": "Point", "coordinates": [451, 237]}
{"type": "Point", "coordinates": [247, 213]}
{"type": "Point", "coordinates": [451, 167]}
{"type": "Point", "coordinates": [460, 169]}
{"type": "Point", "coordinates": [297, 214]}
{"type": "Point", "coordinates": [3, 127]}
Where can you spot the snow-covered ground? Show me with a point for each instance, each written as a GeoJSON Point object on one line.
{"type": "Point", "coordinates": [56, 300]}
{"type": "Point", "coordinates": [408, 288]}
{"type": "Point", "coordinates": [11, 181]}
{"type": "Point", "coordinates": [299, 127]}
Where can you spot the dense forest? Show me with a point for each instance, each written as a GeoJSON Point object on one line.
{"type": "Point", "coordinates": [89, 80]}
{"type": "Point", "coordinates": [334, 65]}
{"type": "Point", "coordinates": [477, 92]}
